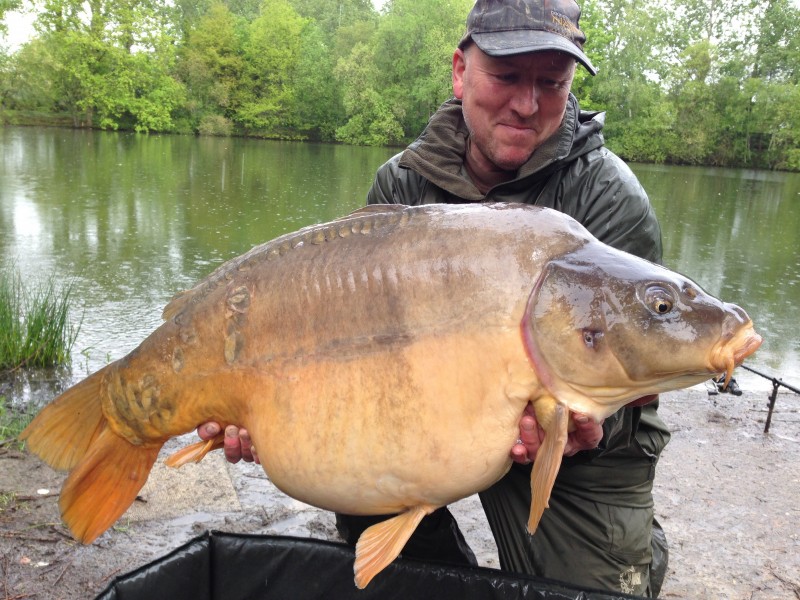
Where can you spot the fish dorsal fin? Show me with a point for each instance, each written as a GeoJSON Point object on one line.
{"type": "Point", "coordinates": [554, 419]}
{"type": "Point", "coordinates": [380, 544]}
{"type": "Point", "coordinates": [176, 305]}
{"type": "Point", "coordinates": [376, 209]}
{"type": "Point", "coordinates": [393, 214]}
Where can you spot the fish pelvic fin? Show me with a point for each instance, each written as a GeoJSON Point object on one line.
{"type": "Point", "coordinates": [104, 484]}
{"type": "Point", "coordinates": [380, 544]}
{"type": "Point", "coordinates": [554, 419]}
{"type": "Point", "coordinates": [65, 429]}
{"type": "Point", "coordinates": [195, 452]}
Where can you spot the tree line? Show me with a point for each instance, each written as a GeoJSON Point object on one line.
{"type": "Point", "coordinates": [712, 82]}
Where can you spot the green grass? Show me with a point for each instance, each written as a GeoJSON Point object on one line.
{"type": "Point", "coordinates": [12, 422]}
{"type": "Point", "coordinates": [35, 326]}
{"type": "Point", "coordinates": [6, 499]}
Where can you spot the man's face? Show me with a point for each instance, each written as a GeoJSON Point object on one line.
{"type": "Point", "coordinates": [511, 104]}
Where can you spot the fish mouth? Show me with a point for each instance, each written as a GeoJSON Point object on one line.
{"type": "Point", "coordinates": [729, 354]}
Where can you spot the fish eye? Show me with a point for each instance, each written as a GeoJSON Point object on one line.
{"type": "Point", "coordinates": [658, 299]}
{"type": "Point", "coordinates": [592, 338]}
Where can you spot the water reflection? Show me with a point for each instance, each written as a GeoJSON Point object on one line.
{"type": "Point", "coordinates": [132, 219]}
{"type": "Point", "coordinates": [26, 220]}
{"type": "Point", "coordinates": [737, 233]}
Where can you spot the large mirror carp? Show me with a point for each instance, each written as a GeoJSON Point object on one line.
{"type": "Point", "coordinates": [382, 362]}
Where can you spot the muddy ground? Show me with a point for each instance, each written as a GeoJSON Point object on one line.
{"type": "Point", "coordinates": [727, 495]}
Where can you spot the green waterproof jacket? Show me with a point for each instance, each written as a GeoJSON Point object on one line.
{"type": "Point", "coordinates": [574, 173]}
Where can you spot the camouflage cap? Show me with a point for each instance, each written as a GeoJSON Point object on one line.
{"type": "Point", "coordinates": [506, 27]}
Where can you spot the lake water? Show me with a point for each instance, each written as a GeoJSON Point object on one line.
{"type": "Point", "coordinates": [132, 219]}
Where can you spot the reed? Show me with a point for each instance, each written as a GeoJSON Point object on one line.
{"type": "Point", "coordinates": [35, 326]}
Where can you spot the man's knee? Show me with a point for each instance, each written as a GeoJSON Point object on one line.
{"type": "Point", "coordinates": [660, 562]}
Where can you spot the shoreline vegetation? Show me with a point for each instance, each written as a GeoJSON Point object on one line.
{"type": "Point", "coordinates": [686, 82]}
{"type": "Point", "coordinates": [35, 325]}
{"type": "Point", "coordinates": [36, 331]}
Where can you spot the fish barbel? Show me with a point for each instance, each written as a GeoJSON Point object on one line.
{"type": "Point", "coordinates": [381, 363]}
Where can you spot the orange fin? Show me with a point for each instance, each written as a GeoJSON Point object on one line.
{"type": "Point", "coordinates": [178, 302]}
{"type": "Point", "coordinates": [63, 431]}
{"type": "Point", "coordinates": [380, 544]}
{"type": "Point", "coordinates": [548, 460]}
{"type": "Point", "coordinates": [104, 484]}
{"type": "Point", "coordinates": [195, 452]}
{"type": "Point", "coordinates": [375, 209]}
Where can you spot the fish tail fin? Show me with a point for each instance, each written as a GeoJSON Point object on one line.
{"type": "Point", "coordinates": [72, 433]}
{"type": "Point", "coordinates": [104, 484]}
{"type": "Point", "coordinates": [63, 431]}
{"type": "Point", "coordinates": [548, 459]}
{"type": "Point", "coordinates": [380, 544]}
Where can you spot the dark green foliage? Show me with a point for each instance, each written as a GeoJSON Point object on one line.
{"type": "Point", "coordinates": [692, 81]}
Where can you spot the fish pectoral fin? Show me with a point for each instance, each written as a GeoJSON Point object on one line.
{"type": "Point", "coordinates": [104, 484]}
{"type": "Point", "coordinates": [555, 422]}
{"type": "Point", "coordinates": [195, 452]}
{"type": "Point", "coordinates": [380, 544]}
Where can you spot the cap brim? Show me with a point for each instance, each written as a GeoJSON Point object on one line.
{"type": "Point", "coordinates": [507, 43]}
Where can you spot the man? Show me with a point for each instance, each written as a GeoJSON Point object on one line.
{"type": "Point", "coordinates": [515, 133]}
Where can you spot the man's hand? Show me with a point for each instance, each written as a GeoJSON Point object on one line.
{"type": "Point", "coordinates": [238, 445]}
{"type": "Point", "coordinates": [587, 435]}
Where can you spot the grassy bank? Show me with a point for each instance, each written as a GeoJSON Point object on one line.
{"type": "Point", "coordinates": [35, 326]}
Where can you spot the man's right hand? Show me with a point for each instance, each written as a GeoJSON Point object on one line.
{"type": "Point", "coordinates": [238, 445]}
{"type": "Point", "coordinates": [586, 436]}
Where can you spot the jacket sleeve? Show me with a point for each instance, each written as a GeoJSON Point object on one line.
{"type": "Point", "coordinates": [381, 190]}
{"type": "Point", "coordinates": [390, 185]}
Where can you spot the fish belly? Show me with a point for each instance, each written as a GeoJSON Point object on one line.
{"type": "Point", "coordinates": [428, 423]}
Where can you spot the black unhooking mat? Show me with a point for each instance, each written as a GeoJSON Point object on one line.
{"type": "Point", "coordinates": [225, 566]}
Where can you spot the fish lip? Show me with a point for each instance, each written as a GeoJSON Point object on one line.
{"type": "Point", "coordinates": [751, 344]}
{"type": "Point", "coordinates": [729, 354]}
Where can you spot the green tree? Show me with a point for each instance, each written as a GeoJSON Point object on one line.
{"type": "Point", "coordinates": [394, 81]}
{"type": "Point", "coordinates": [25, 81]}
{"type": "Point", "coordinates": [318, 107]}
{"type": "Point", "coordinates": [271, 54]}
{"type": "Point", "coordinates": [626, 44]}
{"type": "Point", "coordinates": [371, 120]}
{"type": "Point", "coordinates": [110, 62]}
{"type": "Point", "coordinates": [210, 65]}
{"type": "Point", "coordinates": [772, 129]}
{"type": "Point", "coordinates": [413, 50]}
{"type": "Point", "coordinates": [332, 15]}
{"type": "Point", "coordinates": [692, 81]}
{"type": "Point", "coordinates": [693, 98]}
{"type": "Point", "coordinates": [7, 6]}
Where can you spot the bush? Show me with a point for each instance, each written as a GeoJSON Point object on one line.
{"type": "Point", "coordinates": [215, 125]}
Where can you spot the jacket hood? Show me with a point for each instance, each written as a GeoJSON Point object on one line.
{"type": "Point", "coordinates": [438, 153]}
